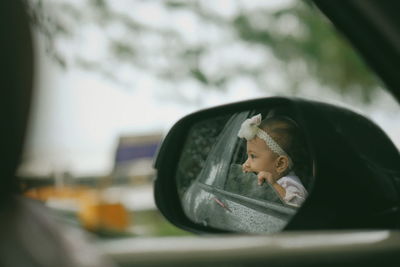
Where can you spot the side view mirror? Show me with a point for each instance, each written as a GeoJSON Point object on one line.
{"type": "Point", "coordinates": [347, 166]}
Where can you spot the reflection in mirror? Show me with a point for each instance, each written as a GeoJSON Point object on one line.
{"type": "Point", "coordinates": [246, 172]}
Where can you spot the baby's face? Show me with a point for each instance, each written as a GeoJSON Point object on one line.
{"type": "Point", "coordinates": [259, 157]}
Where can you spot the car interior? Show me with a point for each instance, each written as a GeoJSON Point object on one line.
{"type": "Point", "coordinates": [199, 186]}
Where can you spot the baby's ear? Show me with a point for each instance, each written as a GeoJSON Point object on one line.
{"type": "Point", "coordinates": [282, 164]}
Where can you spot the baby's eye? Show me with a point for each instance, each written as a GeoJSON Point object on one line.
{"type": "Point", "coordinates": [252, 156]}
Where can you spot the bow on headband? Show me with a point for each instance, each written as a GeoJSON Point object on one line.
{"type": "Point", "coordinates": [249, 129]}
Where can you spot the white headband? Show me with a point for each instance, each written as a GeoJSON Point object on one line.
{"type": "Point", "coordinates": [250, 129]}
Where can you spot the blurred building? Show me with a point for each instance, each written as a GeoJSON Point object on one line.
{"type": "Point", "coordinates": [134, 158]}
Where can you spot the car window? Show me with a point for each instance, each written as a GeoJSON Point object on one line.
{"type": "Point", "coordinates": [113, 77]}
{"type": "Point", "coordinates": [220, 192]}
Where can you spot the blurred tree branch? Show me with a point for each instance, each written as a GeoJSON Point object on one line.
{"type": "Point", "coordinates": [302, 43]}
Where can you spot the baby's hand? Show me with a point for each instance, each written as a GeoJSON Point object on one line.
{"type": "Point", "coordinates": [265, 176]}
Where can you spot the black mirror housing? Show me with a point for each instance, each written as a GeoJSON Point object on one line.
{"type": "Point", "coordinates": [356, 167]}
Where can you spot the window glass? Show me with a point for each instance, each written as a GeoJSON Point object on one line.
{"type": "Point", "coordinates": [113, 76]}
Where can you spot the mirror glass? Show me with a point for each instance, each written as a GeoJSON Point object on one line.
{"type": "Point", "coordinates": [252, 185]}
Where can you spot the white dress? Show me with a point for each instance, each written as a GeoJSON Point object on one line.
{"type": "Point", "coordinates": [295, 191]}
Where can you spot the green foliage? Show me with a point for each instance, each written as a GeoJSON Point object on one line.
{"type": "Point", "coordinates": [325, 55]}
{"type": "Point", "coordinates": [176, 4]}
{"type": "Point", "coordinates": [305, 46]}
{"type": "Point", "coordinates": [199, 75]}
{"type": "Point", "coordinates": [121, 49]}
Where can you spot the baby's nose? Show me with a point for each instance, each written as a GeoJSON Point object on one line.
{"type": "Point", "coordinates": [246, 164]}
{"type": "Point", "coordinates": [246, 168]}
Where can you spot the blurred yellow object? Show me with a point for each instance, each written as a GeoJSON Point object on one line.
{"type": "Point", "coordinates": [92, 210]}
{"type": "Point", "coordinates": [63, 192]}
{"type": "Point", "coordinates": [104, 216]}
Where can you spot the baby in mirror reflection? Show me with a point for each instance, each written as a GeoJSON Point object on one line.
{"type": "Point", "coordinates": [274, 152]}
